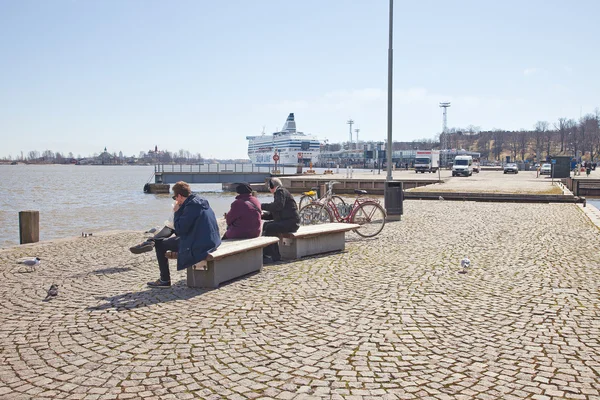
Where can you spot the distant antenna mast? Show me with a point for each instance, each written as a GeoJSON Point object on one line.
{"type": "Point", "coordinates": [357, 130]}
{"type": "Point", "coordinates": [444, 131]}
{"type": "Point", "coordinates": [350, 122]}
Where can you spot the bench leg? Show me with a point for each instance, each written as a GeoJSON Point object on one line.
{"type": "Point", "coordinates": [292, 248]}
{"type": "Point", "coordinates": [225, 269]}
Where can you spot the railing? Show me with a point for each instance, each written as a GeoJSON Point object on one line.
{"type": "Point", "coordinates": [222, 168]}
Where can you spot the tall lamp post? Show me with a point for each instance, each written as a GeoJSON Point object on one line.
{"type": "Point", "coordinates": [389, 110]}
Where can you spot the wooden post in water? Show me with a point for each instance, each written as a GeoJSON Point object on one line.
{"type": "Point", "coordinates": [29, 226]}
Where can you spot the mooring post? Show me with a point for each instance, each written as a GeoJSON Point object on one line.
{"type": "Point", "coordinates": [29, 226]}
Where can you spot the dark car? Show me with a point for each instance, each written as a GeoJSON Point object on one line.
{"type": "Point", "coordinates": [511, 168]}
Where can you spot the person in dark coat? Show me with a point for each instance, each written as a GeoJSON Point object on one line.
{"type": "Point", "coordinates": [196, 229]}
{"type": "Point", "coordinates": [282, 216]}
{"type": "Point", "coordinates": [244, 216]}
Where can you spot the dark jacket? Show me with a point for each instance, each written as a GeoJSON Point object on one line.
{"type": "Point", "coordinates": [283, 208]}
{"type": "Point", "coordinates": [196, 226]}
{"type": "Point", "coordinates": [243, 219]}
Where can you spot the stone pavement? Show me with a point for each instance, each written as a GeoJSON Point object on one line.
{"type": "Point", "coordinates": [390, 318]}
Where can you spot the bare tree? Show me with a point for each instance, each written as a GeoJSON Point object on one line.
{"type": "Point", "coordinates": [499, 138]}
{"type": "Point", "coordinates": [541, 127]}
{"type": "Point", "coordinates": [33, 155]}
{"type": "Point", "coordinates": [561, 128]}
{"type": "Point", "coordinates": [523, 138]}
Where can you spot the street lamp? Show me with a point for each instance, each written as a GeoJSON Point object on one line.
{"type": "Point", "coordinates": [379, 159]}
{"type": "Point", "coordinates": [389, 110]}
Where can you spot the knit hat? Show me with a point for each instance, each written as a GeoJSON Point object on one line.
{"type": "Point", "coordinates": [243, 188]}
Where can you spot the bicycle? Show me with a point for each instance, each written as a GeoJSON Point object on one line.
{"type": "Point", "coordinates": [311, 195]}
{"type": "Point", "coordinates": [365, 211]}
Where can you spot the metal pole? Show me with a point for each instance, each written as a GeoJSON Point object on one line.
{"type": "Point", "coordinates": [389, 110]}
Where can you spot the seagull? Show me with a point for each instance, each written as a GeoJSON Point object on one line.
{"type": "Point", "coordinates": [440, 198]}
{"type": "Point", "coordinates": [465, 263]}
{"type": "Point", "coordinates": [31, 263]}
{"type": "Point", "coordinates": [52, 292]}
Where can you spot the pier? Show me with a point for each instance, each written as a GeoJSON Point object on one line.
{"type": "Point", "coordinates": [216, 173]}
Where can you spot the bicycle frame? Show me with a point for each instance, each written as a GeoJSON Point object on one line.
{"type": "Point", "coordinates": [327, 201]}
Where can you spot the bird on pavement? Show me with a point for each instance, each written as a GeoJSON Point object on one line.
{"type": "Point", "coordinates": [52, 292]}
{"type": "Point", "coordinates": [465, 263]}
{"type": "Point", "coordinates": [151, 230]}
{"type": "Point", "coordinates": [441, 198]}
{"type": "Point", "coordinates": [31, 263]}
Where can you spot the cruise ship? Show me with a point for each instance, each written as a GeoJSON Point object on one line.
{"type": "Point", "coordinates": [292, 147]}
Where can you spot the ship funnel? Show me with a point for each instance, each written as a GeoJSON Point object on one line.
{"type": "Point", "coordinates": [290, 124]}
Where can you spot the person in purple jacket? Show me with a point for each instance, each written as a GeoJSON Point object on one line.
{"type": "Point", "coordinates": [244, 217]}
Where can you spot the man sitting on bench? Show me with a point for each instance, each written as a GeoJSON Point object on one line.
{"type": "Point", "coordinates": [197, 233]}
{"type": "Point", "coordinates": [283, 216]}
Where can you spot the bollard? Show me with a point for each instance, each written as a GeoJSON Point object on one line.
{"type": "Point", "coordinates": [351, 170]}
{"type": "Point", "coordinates": [29, 226]}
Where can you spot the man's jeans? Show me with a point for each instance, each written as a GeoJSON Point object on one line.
{"type": "Point", "coordinates": [161, 247]}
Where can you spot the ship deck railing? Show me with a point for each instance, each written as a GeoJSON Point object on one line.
{"type": "Point", "coordinates": [223, 168]}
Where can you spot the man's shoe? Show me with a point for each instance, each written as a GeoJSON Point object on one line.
{"type": "Point", "coordinates": [148, 245]}
{"type": "Point", "coordinates": [159, 284]}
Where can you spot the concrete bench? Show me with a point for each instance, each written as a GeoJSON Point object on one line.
{"type": "Point", "coordinates": [233, 258]}
{"type": "Point", "coordinates": [314, 239]}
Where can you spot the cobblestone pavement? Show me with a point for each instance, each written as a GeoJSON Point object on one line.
{"type": "Point", "coordinates": [390, 318]}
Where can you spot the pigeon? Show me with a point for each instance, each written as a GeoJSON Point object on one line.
{"type": "Point", "coordinates": [52, 292]}
{"type": "Point", "coordinates": [152, 230]}
{"type": "Point", "coordinates": [31, 263]}
{"type": "Point", "coordinates": [465, 263]}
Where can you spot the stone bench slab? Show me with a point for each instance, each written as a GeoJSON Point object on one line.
{"type": "Point", "coordinates": [234, 258]}
{"type": "Point", "coordinates": [314, 239]}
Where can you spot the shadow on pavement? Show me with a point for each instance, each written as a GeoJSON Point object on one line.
{"type": "Point", "coordinates": [145, 298]}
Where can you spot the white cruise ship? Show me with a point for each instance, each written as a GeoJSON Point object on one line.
{"type": "Point", "coordinates": [292, 147]}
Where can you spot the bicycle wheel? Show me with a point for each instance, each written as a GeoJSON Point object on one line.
{"type": "Point", "coordinates": [304, 200]}
{"type": "Point", "coordinates": [315, 214]}
{"type": "Point", "coordinates": [342, 207]}
{"type": "Point", "coordinates": [338, 201]}
{"type": "Point", "coordinates": [371, 218]}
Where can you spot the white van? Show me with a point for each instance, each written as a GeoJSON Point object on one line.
{"type": "Point", "coordinates": [463, 165]}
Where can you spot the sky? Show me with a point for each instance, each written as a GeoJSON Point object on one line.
{"type": "Point", "coordinates": [201, 75]}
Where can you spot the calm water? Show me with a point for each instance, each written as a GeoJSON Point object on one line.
{"type": "Point", "coordinates": [75, 198]}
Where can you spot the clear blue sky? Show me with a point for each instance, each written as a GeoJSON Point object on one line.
{"type": "Point", "coordinates": [76, 76]}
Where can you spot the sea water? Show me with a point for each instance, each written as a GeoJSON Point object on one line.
{"type": "Point", "coordinates": [73, 199]}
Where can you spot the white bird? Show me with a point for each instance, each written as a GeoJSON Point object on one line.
{"type": "Point", "coordinates": [465, 263]}
{"type": "Point", "coordinates": [440, 198]}
{"type": "Point", "coordinates": [31, 263]}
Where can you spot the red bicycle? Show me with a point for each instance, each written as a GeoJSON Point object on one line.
{"type": "Point", "coordinates": [365, 211]}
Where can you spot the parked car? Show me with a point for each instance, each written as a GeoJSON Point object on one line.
{"type": "Point", "coordinates": [546, 169]}
{"type": "Point", "coordinates": [511, 168]}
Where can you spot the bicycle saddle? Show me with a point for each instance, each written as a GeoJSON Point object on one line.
{"type": "Point", "coordinates": [310, 193]}
{"type": "Point", "coordinates": [360, 191]}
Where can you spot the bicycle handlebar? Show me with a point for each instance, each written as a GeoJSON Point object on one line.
{"type": "Point", "coordinates": [330, 187]}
